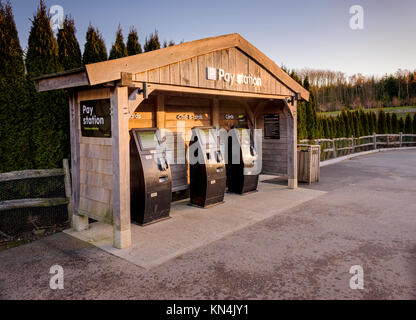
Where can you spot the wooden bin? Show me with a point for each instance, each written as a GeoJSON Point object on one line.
{"type": "Point", "coordinates": [309, 164]}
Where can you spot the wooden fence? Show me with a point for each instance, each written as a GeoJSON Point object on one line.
{"type": "Point", "coordinates": [334, 148]}
{"type": "Point", "coordinates": [38, 202]}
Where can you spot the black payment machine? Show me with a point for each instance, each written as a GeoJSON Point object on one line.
{"type": "Point", "coordinates": [242, 167]}
{"type": "Point", "coordinates": [207, 168]}
{"type": "Point", "coordinates": [150, 177]}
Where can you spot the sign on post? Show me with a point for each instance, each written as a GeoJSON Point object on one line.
{"type": "Point", "coordinates": [96, 118]}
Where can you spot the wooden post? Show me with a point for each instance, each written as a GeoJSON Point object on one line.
{"type": "Point", "coordinates": [401, 139]}
{"type": "Point", "coordinates": [68, 191]}
{"type": "Point", "coordinates": [388, 140]}
{"type": "Point", "coordinates": [375, 140]}
{"type": "Point", "coordinates": [160, 111]}
{"type": "Point", "coordinates": [121, 167]}
{"type": "Point", "coordinates": [292, 146]}
{"type": "Point", "coordinates": [215, 117]}
{"type": "Point", "coordinates": [334, 149]}
{"type": "Point", "coordinates": [78, 222]}
{"type": "Point", "coordinates": [352, 144]}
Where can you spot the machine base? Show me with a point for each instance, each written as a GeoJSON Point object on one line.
{"type": "Point", "coordinates": [151, 222]}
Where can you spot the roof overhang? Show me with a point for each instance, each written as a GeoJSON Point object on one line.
{"type": "Point", "coordinates": [111, 70]}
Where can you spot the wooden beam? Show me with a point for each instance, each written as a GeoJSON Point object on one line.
{"type": "Point", "coordinates": [192, 90]}
{"type": "Point", "coordinates": [160, 111]}
{"type": "Point", "coordinates": [74, 129]}
{"type": "Point", "coordinates": [121, 167]}
{"type": "Point", "coordinates": [215, 117]}
{"type": "Point", "coordinates": [62, 81]}
{"type": "Point", "coordinates": [32, 203]}
{"type": "Point", "coordinates": [30, 174]}
{"type": "Point", "coordinates": [292, 141]}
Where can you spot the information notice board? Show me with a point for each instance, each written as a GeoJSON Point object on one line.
{"type": "Point", "coordinates": [96, 118]}
{"type": "Point", "coordinates": [272, 126]}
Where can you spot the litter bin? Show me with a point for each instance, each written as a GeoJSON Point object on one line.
{"type": "Point", "coordinates": [309, 163]}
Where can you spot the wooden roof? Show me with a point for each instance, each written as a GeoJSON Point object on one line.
{"type": "Point", "coordinates": [107, 71]}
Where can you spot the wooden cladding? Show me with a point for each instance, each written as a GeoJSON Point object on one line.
{"type": "Point", "coordinates": [193, 73]}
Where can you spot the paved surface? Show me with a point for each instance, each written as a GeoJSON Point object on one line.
{"type": "Point", "coordinates": [368, 217]}
{"type": "Point", "coordinates": [191, 228]}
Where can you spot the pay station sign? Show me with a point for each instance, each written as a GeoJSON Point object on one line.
{"type": "Point", "coordinates": [95, 118]}
{"type": "Point", "coordinates": [232, 78]}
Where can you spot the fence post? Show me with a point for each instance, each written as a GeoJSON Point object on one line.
{"type": "Point", "coordinates": [335, 149]}
{"type": "Point", "coordinates": [388, 141]}
{"type": "Point", "coordinates": [375, 140]}
{"type": "Point", "coordinates": [352, 144]}
{"type": "Point", "coordinates": [401, 139]}
{"type": "Point", "coordinates": [68, 188]}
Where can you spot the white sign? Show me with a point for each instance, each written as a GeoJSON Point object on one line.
{"type": "Point", "coordinates": [232, 78]}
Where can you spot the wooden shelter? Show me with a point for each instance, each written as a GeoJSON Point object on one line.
{"type": "Point", "coordinates": [214, 81]}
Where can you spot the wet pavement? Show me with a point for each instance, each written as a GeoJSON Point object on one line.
{"type": "Point", "coordinates": [367, 218]}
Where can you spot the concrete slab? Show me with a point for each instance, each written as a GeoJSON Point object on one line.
{"type": "Point", "coordinates": [192, 227]}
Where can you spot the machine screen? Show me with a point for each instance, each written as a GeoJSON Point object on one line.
{"type": "Point", "coordinates": [148, 140]}
{"type": "Point", "coordinates": [207, 137]}
{"type": "Point", "coordinates": [245, 136]}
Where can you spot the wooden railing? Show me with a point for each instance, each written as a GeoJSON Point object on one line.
{"type": "Point", "coordinates": [38, 202]}
{"type": "Point", "coordinates": [338, 147]}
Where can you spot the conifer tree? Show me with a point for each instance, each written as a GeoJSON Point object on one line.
{"type": "Point", "coordinates": [133, 45]}
{"type": "Point", "coordinates": [408, 127]}
{"type": "Point", "coordinates": [414, 123]}
{"type": "Point", "coordinates": [371, 126]}
{"type": "Point", "coordinates": [69, 51]}
{"type": "Point", "coordinates": [325, 128]}
{"type": "Point", "coordinates": [50, 124]}
{"type": "Point", "coordinates": [394, 123]}
{"type": "Point", "coordinates": [119, 49]}
{"type": "Point", "coordinates": [15, 106]}
{"type": "Point", "coordinates": [382, 124]}
{"type": "Point", "coordinates": [388, 123]}
{"type": "Point", "coordinates": [374, 121]}
{"type": "Point", "coordinates": [42, 54]}
{"type": "Point", "coordinates": [152, 42]}
{"type": "Point", "coordinates": [94, 49]}
{"type": "Point", "coordinates": [401, 125]}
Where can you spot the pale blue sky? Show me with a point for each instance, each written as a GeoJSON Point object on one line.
{"type": "Point", "coordinates": [296, 33]}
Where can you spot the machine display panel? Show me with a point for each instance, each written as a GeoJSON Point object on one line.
{"type": "Point", "coordinates": [207, 138]}
{"type": "Point", "coordinates": [148, 140]}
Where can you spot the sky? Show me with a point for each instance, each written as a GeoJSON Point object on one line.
{"type": "Point", "coordinates": [299, 34]}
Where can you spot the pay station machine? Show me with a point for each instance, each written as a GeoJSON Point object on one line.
{"type": "Point", "coordinates": [207, 168]}
{"type": "Point", "coordinates": [242, 167]}
{"type": "Point", "coordinates": [150, 177]}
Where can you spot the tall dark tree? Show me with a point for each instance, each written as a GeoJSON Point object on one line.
{"type": "Point", "coordinates": [42, 54]}
{"type": "Point", "coordinates": [69, 51]}
{"type": "Point", "coordinates": [152, 42]}
{"type": "Point", "coordinates": [94, 49]}
{"type": "Point", "coordinates": [408, 125]}
{"type": "Point", "coordinates": [382, 124]}
{"type": "Point", "coordinates": [401, 125]}
{"type": "Point", "coordinates": [133, 45]}
{"type": "Point", "coordinates": [394, 124]}
{"type": "Point", "coordinates": [414, 123]}
{"type": "Point", "coordinates": [118, 50]}
{"type": "Point", "coordinates": [389, 123]}
{"type": "Point", "coordinates": [50, 130]}
{"type": "Point", "coordinates": [15, 107]}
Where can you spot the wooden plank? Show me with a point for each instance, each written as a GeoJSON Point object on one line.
{"type": "Point", "coordinates": [68, 189]}
{"type": "Point", "coordinates": [175, 74]}
{"type": "Point", "coordinates": [62, 81]}
{"type": "Point", "coordinates": [96, 179]}
{"type": "Point", "coordinates": [96, 152]}
{"type": "Point", "coordinates": [32, 203]}
{"type": "Point", "coordinates": [95, 193]}
{"type": "Point", "coordinates": [215, 118]}
{"type": "Point", "coordinates": [121, 167]}
{"type": "Point", "coordinates": [160, 111]}
{"type": "Point", "coordinates": [75, 133]}
{"type": "Point", "coordinates": [96, 165]}
{"type": "Point", "coordinates": [30, 174]}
